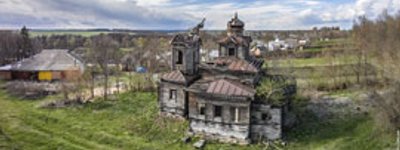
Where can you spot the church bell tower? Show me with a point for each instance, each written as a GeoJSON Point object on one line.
{"type": "Point", "coordinates": [186, 51]}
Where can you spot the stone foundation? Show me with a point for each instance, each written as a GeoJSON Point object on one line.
{"type": "Point", "coordinates": [237, 134]}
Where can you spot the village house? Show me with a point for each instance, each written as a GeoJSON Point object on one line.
{"type": "Point", "coordinates": [219, 97]}
{"type": "Point", "coordinates": [48, 65]}
{"type": "Point", "coordinates": [291, 43]}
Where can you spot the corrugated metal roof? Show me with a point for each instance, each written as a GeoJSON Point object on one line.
{"type": "Point", "coordinates": [174, 76]}
{"type": "Point", "coordinates": [48, 60]}
{"type": "Point", "coordinates": [230, 88]}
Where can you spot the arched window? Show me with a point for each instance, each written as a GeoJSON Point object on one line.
{"type": "Point", "coordinates": [180, 58]}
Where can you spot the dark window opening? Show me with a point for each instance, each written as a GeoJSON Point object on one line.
{"type": "Point", "coordinates": [172, 94]}
{"type": "Point", "coordinates": [217, 111]}
{"type": "Point", "coordinates": [202, 108]}
{"type": "Point", "coordinates": [265, 117]}
{"type": "Point", "coordinates": [180, 58]}
{"type": "Point", "coordinates": [231, 52]}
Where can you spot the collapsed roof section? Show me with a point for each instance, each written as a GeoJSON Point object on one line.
{"type": "Point", "coordinates": [233, 64]}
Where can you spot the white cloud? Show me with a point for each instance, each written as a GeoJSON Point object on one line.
{"type": "Point", "coordinates": [151, 2]}
{"type": "Point", "coordinates": [86, 14]}
{"type": "Point", "coordinates": [373, 7]}
{"type": "Point", "coordinates": [168, 14]}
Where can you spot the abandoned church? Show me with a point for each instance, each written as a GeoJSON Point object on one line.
{"type": "Point", "coordinates": [219, 98]}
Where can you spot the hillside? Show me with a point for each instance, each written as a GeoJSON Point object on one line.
{"type": "Point", "coordinates": [132, 122]}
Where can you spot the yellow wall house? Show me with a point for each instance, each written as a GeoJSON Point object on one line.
{"type": "Point", "coordinates": [45, 75]}
{"type": "Point", "coordinates": [48, 65]}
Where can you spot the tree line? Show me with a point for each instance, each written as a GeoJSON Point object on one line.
{"type": "Point", "coordinates": [378, 41]}
{"type": "Point", "coordinates": [16, 45]}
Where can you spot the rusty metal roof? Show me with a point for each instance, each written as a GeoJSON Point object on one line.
{"type": "Point", "coordinates": [242, 65]}
{"type": "Point", "coordinates": [230, 88]}
{"type": "Point", "coordinates": [236, 64]}
{"type": "Point", "coordinates": [174, 76]}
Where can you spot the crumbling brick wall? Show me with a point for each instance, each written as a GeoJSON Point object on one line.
{"type": "Point", "coordinates": [230, 126]}
{"type": "Point", "coordinates": [266, 123]}
{"type": "Point", "coordinates": [172, 105]}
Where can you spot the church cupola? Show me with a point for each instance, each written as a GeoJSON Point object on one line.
{"type": "Point", "coordinates": [235, 26]}
{"type": "Point", "coordinates": [235, 44]}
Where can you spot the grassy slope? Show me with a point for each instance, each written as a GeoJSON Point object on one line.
{"type": "Point", "coordinates": [105, 125]}
{"type": "Point", "coordinates": [318, 61]}
{"type": "Point", "coordinates": [132, 123]}
{"type": "Point", "coordinates": [347, 132]}
{"type": "Point", "coordinates": [129, 123]}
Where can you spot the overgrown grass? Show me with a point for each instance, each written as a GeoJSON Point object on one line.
{"type": "Point", "coordinates": [316, 61]}
{"type": "Point", "coordinates": [348, 132]}
{"type": "Point", "coordinates": [333, 42]}
{"type": "Point", "coordinates": [313, 49]}
{"type": "Point", "coordinates": [132, 122]}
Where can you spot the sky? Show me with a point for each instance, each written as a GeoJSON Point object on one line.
{"type": "Point", "coordinates": [184, 14]}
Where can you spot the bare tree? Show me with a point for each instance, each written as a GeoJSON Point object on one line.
{"type": "Point", "coordinates": [117, 55]}
{"type": "Point", "coordinates": [9, 45]}
{"type": "Point", "coordinates": [379, 41]}
{"type": "Point", "coordinates": [103, 49]}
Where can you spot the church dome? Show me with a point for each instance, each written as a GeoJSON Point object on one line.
{"type": "Point", "coordinates": [236, 22]}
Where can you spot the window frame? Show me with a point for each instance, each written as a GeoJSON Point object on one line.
{"type": "Point", "coordinates": [233, 50]}
{"type": "Point", "coordinates": [179, 60]}
{"type": "Point", "coordinates": [201, 108]}
{"type": "Point", "coordinates": [219, 114]}
{"type": "Point", "coordinates": [173, 94]}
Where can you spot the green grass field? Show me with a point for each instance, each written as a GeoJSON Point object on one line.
{"type": "Point", "coordinates": [333, 42]}
{"type": "Point", "coordinates": [316, 61]}
{"type": "Point", "coordinates": [132, 122]}
{"type": "Point", "coordinates": [340, 134]}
